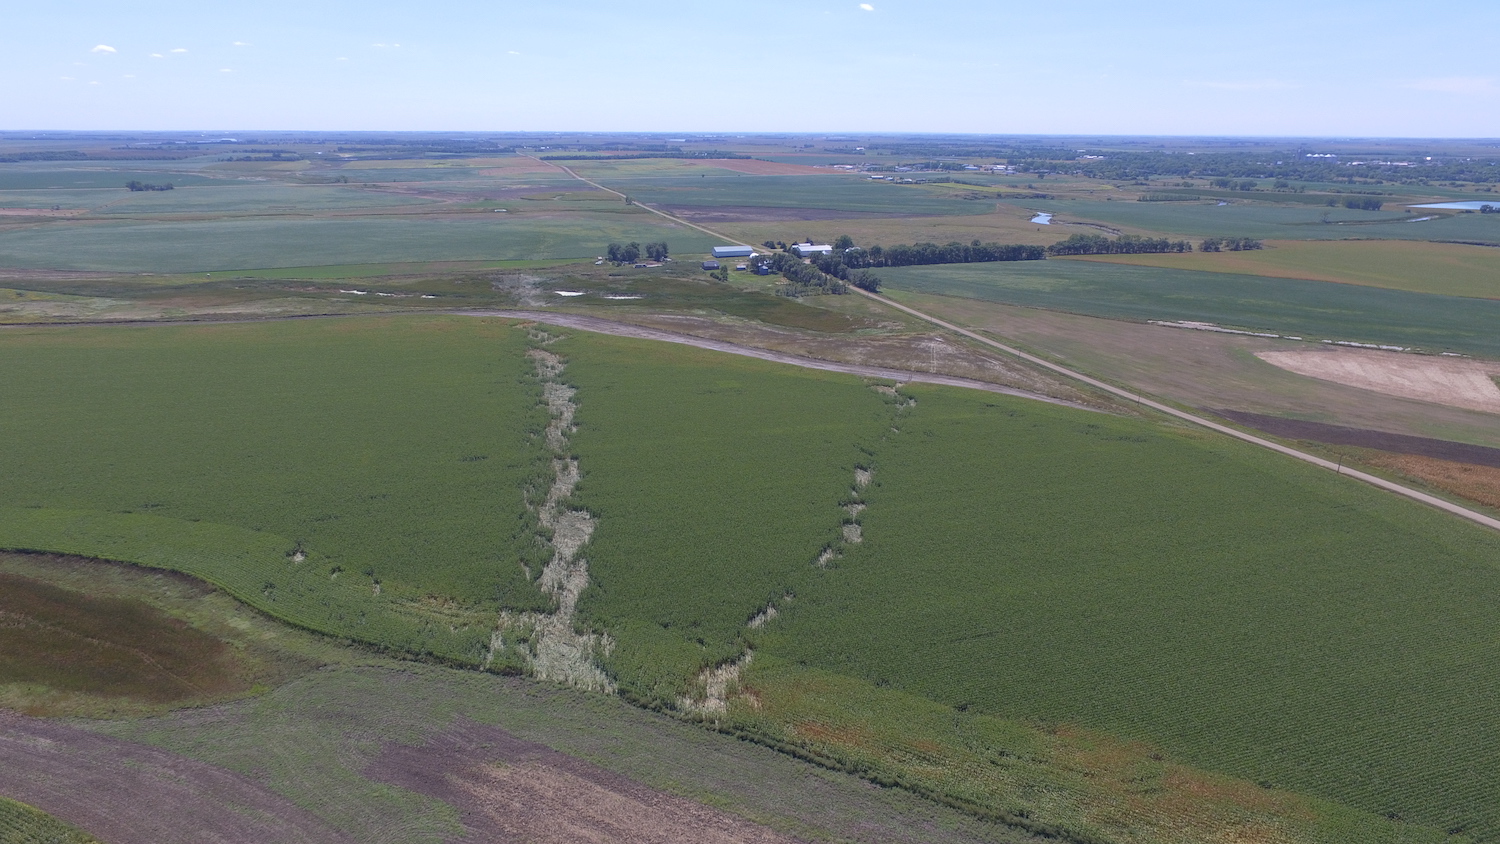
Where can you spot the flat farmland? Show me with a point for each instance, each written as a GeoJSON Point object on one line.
{"type": "Point", "coordinates": [837, 193]}
{"type": "Point", "coordinates": [1244, 612]}
{"type": "Point", "coordinates": [1271, 222]}
{"type": "Point", "coordinates": [1312, 309]}
{"type": "Point", "coordinates": [212, 246]}
{"type": "Point", "coordinates": [22, 824]}
{"type": "Point", "coordinates": [359, 478]}
{"type": "Point", "coordinates": [1004, 226]}
{"type": "Point", "coordinates": [64, 178]}
{"type": "Point", "coordinates": [1449, 269]}
{"type": "Point", "coordinates": [256, 198]}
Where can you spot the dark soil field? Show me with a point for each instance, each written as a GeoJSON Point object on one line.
{"type": "Point", "coordinates": [105, 646]}
{"type": "Point", "coordinates": [1298, 429]}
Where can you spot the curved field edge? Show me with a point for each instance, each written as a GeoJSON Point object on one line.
{"type": "Point", "coordinates": [1060, 782]}
{"type": "Point", "coordinates": [23, 824]}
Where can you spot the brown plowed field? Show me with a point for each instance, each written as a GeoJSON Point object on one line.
{"type": "Point", "coordinates": [507, 789]}
{"type": "Point", "coordinates": [1297, 429]}
{"type": "Point", "coordinates": [126, 793]}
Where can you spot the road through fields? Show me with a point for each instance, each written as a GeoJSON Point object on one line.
{"type": "Point", "coordinates": [1382, 483]}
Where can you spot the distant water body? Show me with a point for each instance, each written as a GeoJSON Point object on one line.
{"type": "Point", "coordinates": [1042, 217]}
{"type": "Point", "coordinates": [1474, 205]}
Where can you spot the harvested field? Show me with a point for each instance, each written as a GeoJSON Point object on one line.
{"type": "Point", "coordinates": [1298, 429]}
{"type": "Point", "coordinates": [1476, 483]}
{"type": "Point", "coordinates": [1455, 382]}
{"type": "Point", "coordinates": [507, 789]}
{"type": "Point", "coordinates": [127, 793]}
{"type": "Point", "coordinates": [110, 647]}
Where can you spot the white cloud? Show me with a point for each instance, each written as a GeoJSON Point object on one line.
{"type": "Point", "coordinates": [225, 70]}
{"type": "Point", "coordinates": [867, 7]}
{"type": "Point", "coordinates": [157, 56]}
{"type": "Point", "coordinates": [95, 82]}
{"type": "Point", "coordinates": [66, 78]}
{"type": "Point", "coordinates": [130, 76]}
{"type": "Point", "coordinates": [342, 59]}
{"type": "Point", "coordinates": [104, 48]}
{"type": "Point", "coordinates": [241, 44]}
{"type": "Point", "coordinates": [1455, 85]}
{"type": "Point", "coordinates": [512, 52]}
{"type": "Point", "coordinates": [179, 49]}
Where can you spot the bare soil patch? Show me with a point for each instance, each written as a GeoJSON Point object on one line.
{"type": "Point", "coordinates": [507, 789]}
{"type": "Point", "coordinates": [127, 793]}
{"type": "Point", "coordinates": [1476, 455]}
{"type": "Point", "coordinates": [107, 646]}
{"type": "Point", "coordinates": [1456, 382]}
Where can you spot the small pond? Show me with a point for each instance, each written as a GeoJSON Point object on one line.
{"type": "Point", "coordinates": [1470, 205]}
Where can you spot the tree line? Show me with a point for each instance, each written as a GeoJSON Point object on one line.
{"type": "Point", "coordinates": [1128, 244]}
{"type": "Point", "coordinates": [1229, 244]}
{"type": "Point", "coordinates": [140, 186]}
{"type": "Point", "coordinates": [629, 253]}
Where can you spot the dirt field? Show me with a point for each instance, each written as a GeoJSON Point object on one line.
{"type": "Point", "coordinates": [106, 646]}
{"type": "Point", "coordinates": [507, 789]}
{"type": "Point", "coordinates": [1476, 483]}
{"type": "Point", "coordinates": [126, 793]}
{"type": "Point", "coordinates": [1464, 453]}
{"type": "Point", "coordinates": [42, 212]}
{"type": "Point", "coordinates": [1455, 382]}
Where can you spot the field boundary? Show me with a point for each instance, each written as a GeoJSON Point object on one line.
{"type": "Point", "coordinates": [1129, 395]}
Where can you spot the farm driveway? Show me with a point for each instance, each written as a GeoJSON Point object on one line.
{"type": "Point", "coordinates": [127, 793]}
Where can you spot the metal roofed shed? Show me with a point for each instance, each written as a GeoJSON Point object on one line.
{"type": "Point", "coordinates": [806, 249]}
{"type": "Point", "coordinates": [733, 252]}
{"type": "Point", "coordinates": [710, 265]}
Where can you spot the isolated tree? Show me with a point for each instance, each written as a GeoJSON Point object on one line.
{"type": "Point", "coordinates": [657, 251]}
{"type": "Point", "coordinates": [843, 242]}
{"type": "Point", "coordinates": [613, 253]}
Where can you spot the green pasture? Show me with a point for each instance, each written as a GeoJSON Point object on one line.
{"type": "Point", "coordinates": [392, 453]}
{"type": "Point", "coordinates": [90, 198]}
{"type": "Point", "coordinates": [835, 193]}
{"type": "Point", "coordinates": [1311, 309]}
{"type": "Point", "coordinates": [1243, 611]}
{"type": "Point", "coordinates": [212, 246]}
{"type": "Point", "coordinates": [1193, 219]}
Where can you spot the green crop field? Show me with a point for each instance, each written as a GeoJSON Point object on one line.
{"type": "Point", "coordinates": [22, 824]}
{"type": "Point", "coordinates": [69, 178]}
{"type": "Point", "coordinates": [847, 193]}
{"type": "Point", "coordinates": [245, 244]}
{"type": "Point", "coordinates": [1312, 309]}
{"type": "Point", "coordinates": [1020, 561]}
{"type": "Point", "coordinates": [1448, 269]}
{"type": "Point", "coordinates": [1189, 219]}
{"type": "Point", "coordinates": [392, 455]}
{"type": "Point", "coordinates": [1249, 613]}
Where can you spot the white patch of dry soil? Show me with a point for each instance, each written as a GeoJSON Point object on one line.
{"type": "Point", "coordinates": [1456, 382]}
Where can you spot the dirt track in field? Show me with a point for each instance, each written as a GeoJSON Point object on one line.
{"type": "Point", "coordinates": [621, 329]}
{"type": "Point", "coordinates": [507, 789]}
{"type": "Point", "coordinates": [126, 793]}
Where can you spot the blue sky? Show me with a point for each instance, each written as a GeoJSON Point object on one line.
{"type": "Point", "coordinates": [1335, 67]}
